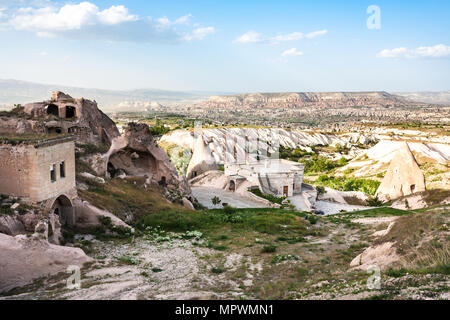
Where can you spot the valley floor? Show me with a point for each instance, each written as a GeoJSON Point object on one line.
{"type": "Point", "coordinates": [303, 259]}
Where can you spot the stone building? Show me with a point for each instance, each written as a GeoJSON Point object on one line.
{"type": "Point", "coordinates": [278, 177]}
{"type": "Point", "coordinates": [41, 170]}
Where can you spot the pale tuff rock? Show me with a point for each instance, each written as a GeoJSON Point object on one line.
{"type": "Point", "coordinates": [89, 216]}
{"type": "Point", "coordinates": [90, 176]}
{"type": "Point", "coordinates": [64, 114]}
{"type": "Point", "coordinates": [136, 153]}
{"type": "Point", "coordinates": [187, 204]}
{"type": "Point", "coordinates": [382, 256]}
{"type": "Point", "coordinates": [23, 259]}
{"type": "Point", "coordinates": [305, 99]}
{"type": "Point", "coordinates": [403, 177]}
{"type": "Point", "coordinates": [202, 159]}
{"type": "Point", "coordinates": [11, 225]}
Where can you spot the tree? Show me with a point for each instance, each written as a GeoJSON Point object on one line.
{"type": "Point", "coordinates": [215, 201]}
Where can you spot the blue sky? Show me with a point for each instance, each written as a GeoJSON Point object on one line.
{"type": "Point", "coordinates": [234, 46]}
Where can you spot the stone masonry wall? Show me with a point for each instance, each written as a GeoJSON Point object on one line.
{"type": "Point", "coordinates": [25, 170]}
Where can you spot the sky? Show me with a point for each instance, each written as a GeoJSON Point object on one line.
{"type": "Point", "coordinates": [228, 46]}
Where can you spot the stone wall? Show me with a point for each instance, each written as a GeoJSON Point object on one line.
{"type": "Point", "coordinates": [25, 170]}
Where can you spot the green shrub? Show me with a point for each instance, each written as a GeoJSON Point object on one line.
{"type": "Point", "coordinates": [216, 270]}
{"type": "Point", "coordinates": [374, 202]}
{"type": "Point", "coordinates": [348, 184]}
{"type": "Point", "coordinates": [269, 249]}
{"type": "Point", "coordinates": [269, 197]}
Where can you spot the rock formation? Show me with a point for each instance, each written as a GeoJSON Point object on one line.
{"type": "Point", "coordinates": [202, 159]}
{"type": "Point", "coordinates": [24, 258]}
{"type": "Point", "coordinates": [305, 99]}
{"type": "Point", "coordinates": [136, 153]}
{"type": "Point", "coordinates": [62, 114]}
{"type": "Point", "coordinates": [403, 176]}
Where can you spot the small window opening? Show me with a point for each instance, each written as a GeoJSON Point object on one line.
{"type": "Point", "coordinates": [62, 169]}
{"type": "Point", "coordinates": [52, 173]}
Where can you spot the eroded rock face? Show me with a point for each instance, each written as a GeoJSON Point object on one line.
{"type": "Point", "coordinates": [403, 177]}
{"type": "Point", "coordinates": [11, 225]}
{"type": "Point", "coordinates": [136, 153]}
{"type": "Point", "coordinates": [23, 259]}
{"type": "Point", "coordinates": [304, 99]}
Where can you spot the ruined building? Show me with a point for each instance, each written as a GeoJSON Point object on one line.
{"type": "Point", "coordinates": [63, 114]}
{"type": "Point", "coordinates": [40, 170]}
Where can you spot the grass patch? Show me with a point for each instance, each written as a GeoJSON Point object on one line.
{"type": "Point", "coordinates": [269, 197]}
{"type": "Point", "coordinates": [269, 249]}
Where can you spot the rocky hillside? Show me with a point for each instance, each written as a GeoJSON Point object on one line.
{"type": "Point", "coordinates": [306, 99]}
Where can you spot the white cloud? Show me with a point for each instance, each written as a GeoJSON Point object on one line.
{"type": "Point", "coordinates": [69, 17]}
{"type": "Point", "coordinates": [115, 15]}
{"type": "Point", "coordinates": [86, 20]}
{"type": "Point", "coordinates": [291, 53]}
{"type": "Point", "coordinates": [255, 37]}
{"type": "Point", "coordinates": [200, 33]}
{"type": "Point", "coordinates": [437, 51]}
{"type": "Point", "coordinates": [316, 34]}
{"type": "Point", "coordinates": [184, 20]}
{"type": "Point", "coordinates": [251, 37]}
{"type": "Point", "coordinates": [288, 37]}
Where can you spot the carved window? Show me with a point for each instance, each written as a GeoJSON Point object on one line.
{"type": "Point", "coordinates": [62, 169]}
{"type": "Point", "coordinates": [52, 173]}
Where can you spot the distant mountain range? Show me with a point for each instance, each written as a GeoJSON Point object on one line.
{"type": "Point", "coordinates": [438, 97]}
{"type": "Point", "coordinates": [22, 92]}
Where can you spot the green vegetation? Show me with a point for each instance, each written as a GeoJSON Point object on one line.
{"type": "Point", "coordinates": [159, 129]}
{"type": "Point", "coordinates": [269, 249]}
{"type": "Point", "coordinates": [90, 148]}
{"type": "Point", "coordinates": [348, 184]}
{"type": "Point", "coordinates": [293, 154]}
{"type": "Point", "coordinates": [271, 198]}
{"type": "Point", "coordinates": [16, 138]}
{"type": "Point", "coordinates": [216, 200]}
{"type": "Point", "coordinates": [265, 220]}
{"type": "Point", "coordinates": [121, 196]}
{"type": "Point", "coordinates": [216, 270]}
{"type": "Point", "coordinates": [317, 164]}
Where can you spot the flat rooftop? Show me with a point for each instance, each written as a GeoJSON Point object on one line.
{"type": "Point", "coordinates": [36, 139]}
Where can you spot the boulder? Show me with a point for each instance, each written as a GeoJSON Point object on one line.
{"type": "Point", "coordinates": [382, 256]}
{"type": "Point", "coordinates": [11, 225]}
{"type": "Point", "coordinates": [187, 204]}
{"type": "Point", "coordinates": [23, 259]}
{"type": "Point", "coordinates": [87, 175]}
{"type": "Point", "coordinates": [88, 216]}
{"type": "Point", "coordinates": [403, 176]}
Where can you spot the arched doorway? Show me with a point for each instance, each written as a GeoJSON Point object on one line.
{"type": "Point", "coordinates": [53, 109]}
{"type": "Point", "coordinates": [63, 208]}
{"type": "Point", "coordinates": [111, 170]}
{"type": "Point", "coordinates": [232, 186]}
